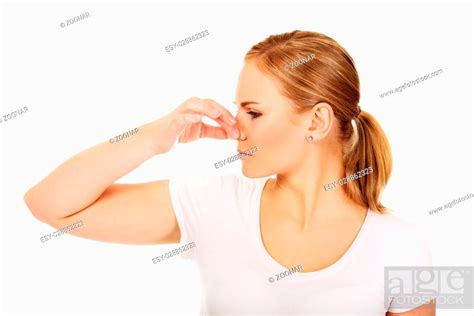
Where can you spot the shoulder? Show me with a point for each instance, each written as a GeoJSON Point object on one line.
{"type": "Point", "coordinates": [402, 242]}
{"type": "Point", "coordinates": [393, 224]}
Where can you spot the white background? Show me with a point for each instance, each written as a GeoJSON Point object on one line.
{"type": "Point", "coordinates": [109, 73]}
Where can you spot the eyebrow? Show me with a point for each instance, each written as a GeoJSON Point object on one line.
{"type": "Point", "coordinates": [245, 103]}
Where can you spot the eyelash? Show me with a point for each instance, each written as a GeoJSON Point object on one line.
{"type": "Point", "coordinates": [253, 114]}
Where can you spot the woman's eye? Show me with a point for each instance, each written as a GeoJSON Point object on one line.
{"type": "Point", "coordinates": [254, 114]}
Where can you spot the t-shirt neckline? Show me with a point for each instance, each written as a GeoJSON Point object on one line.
{"type": "Point", "coordinates": [276, 267]}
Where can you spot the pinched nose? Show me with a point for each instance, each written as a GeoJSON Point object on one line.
{"type": "Point", "coordinates": [241, 135]}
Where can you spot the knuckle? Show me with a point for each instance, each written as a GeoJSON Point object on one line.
{"type": "Point", "coordinates": [192, 100]}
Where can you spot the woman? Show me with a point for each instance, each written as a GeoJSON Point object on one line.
{"type": "Point", "coordinates": [314, 240]}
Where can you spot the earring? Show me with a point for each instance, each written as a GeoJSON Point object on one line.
{"type": "Point", "coordinates": [310, 138]}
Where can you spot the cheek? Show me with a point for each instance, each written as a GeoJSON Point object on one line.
{"type": "Point", "coordinates": [279, 150]}
{"type": "Point", "coordinates": [279, 142]}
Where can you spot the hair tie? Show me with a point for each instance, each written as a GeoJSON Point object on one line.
{"type": "Point", "coordinates": [358, 111]}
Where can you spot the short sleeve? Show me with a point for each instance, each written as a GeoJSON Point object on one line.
{"type": "Point", "coordinates": [410, 268]}
{"type": "Point", "coordinates": [193, 199]}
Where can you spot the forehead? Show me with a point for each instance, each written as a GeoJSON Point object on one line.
{"type": "Point", "coordinates": [256, 86]}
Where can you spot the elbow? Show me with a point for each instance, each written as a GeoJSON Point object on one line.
{"type": "Point", "coordinates": [33, 206]}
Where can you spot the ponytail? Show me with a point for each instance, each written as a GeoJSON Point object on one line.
{"type": "Point", "coordinates": [370, 149]}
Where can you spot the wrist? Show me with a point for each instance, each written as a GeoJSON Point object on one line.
{"type": "Point", "coordinates": [154, 136]}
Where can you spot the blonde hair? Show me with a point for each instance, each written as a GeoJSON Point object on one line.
{"type": "Point", "coordinates": [330, 77]}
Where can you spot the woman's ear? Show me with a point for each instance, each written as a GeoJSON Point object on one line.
{"type": "Point", "coordinates": [321, 121]}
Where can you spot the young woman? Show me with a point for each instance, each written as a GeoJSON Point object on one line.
{"type": "Point", "coordinates": [313, 240]}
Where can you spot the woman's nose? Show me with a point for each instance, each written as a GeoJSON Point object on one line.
{"type": "Point", "coordinates": [242, 135]}
{"type": "Point", "coordinates": [239, 128]}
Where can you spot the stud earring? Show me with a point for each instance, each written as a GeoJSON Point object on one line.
{"type": "Point", "coordinates": [310, 138]}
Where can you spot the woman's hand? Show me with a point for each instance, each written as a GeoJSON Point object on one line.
{"type": "Point", "coordinates": [185, 124]}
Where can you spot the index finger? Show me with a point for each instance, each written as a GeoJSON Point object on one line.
{"type": "Point", "coordinates": [224, 113]}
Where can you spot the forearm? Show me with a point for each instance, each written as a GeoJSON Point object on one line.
{"type": "Point", "coordinates": [83, 178]}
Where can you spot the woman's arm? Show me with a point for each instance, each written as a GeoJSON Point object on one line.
{"type": "Point", "coordinates": [82, 188]}
{"type": "Point", "coordinates": [423, 310]}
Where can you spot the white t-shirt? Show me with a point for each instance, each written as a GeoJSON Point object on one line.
{"type": "Point", "coordinates": [221, 215]}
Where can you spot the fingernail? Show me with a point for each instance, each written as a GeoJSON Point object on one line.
{"type": "Point", "coordinates": [232, 120]}
{"type": "Point", "coordinates": [235, 133]}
